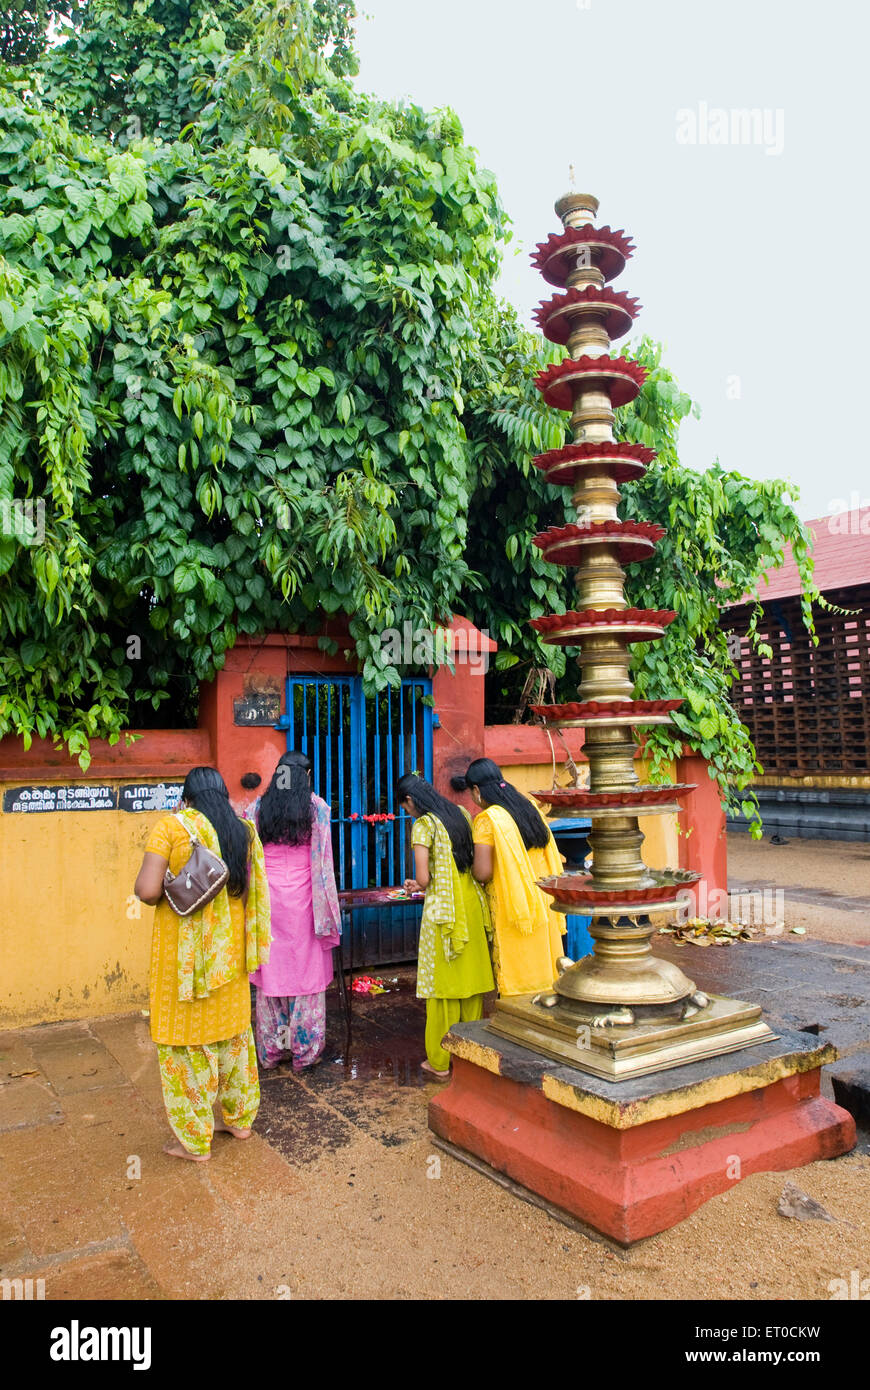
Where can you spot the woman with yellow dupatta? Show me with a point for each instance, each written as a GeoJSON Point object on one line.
{"type": "Point", "coordinates": [200, 998]}
{"type": "Point", "coordinates": [513, 848]}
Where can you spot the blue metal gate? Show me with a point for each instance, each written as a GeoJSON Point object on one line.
{"type": "Point", "coordinates": [359, 747]}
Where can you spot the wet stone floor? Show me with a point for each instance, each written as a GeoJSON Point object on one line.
{"type": "Point", "coordinates": [86, 1194]}
{"type": "Point", "coordinates": [341, 1191]}
{"type": "Point", "coordinates": [374, 1085]}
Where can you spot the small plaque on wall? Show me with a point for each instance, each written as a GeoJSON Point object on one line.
{"type": "Point", "coordinates": [164, 796]}
{"type": "Point", "coordinates": [71, 798]}
{"type": "Point", "coordinates": [257, 708]}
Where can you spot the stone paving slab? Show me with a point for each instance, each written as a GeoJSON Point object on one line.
{"type": "Point", "coordinates": [165, 1215]}
{"type": "Point", "coordinates": [27, 1102]}
{"type": "Point", "coordinates": [300, 1126]}
{"type": "Point", "coordinates": [74, 1060]}
{"type": "Point", "coordinates": [250, 1171]}
{"type": "Point", "coordinates": [52, 1189]}
{"type": "Point", "coordinates": [127, 1038]}
{"type": "Point", "coordinates": [801, 986]}
{"type": "Point", "coordinates": [108, 1275]}
{"type": "Point", "coordinates": [13, 1245]}
{"type": "Point", "coordinates": [16, 1056]}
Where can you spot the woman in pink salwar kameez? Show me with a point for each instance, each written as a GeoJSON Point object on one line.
{"type": "Point", "coordinates": [294, 826]}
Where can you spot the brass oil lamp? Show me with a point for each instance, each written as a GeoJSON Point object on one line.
{"type": "Point", "coordinates": [622, 1011]}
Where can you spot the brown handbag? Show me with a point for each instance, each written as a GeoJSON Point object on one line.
{"type": "Point", "coordinates": [201, 879]}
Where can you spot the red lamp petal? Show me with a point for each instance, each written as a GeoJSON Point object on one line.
{"type": "Point", "coordinates": [557, 317]}
{"type": "Point", "coordinates": [560, 382]}
{"type": "Point", "coordinates": [556, 257]}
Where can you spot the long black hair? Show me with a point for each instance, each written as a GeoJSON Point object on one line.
{"type": "Point", "coordinates": [429, 802]}
{"type": "Point", "coordinates": [287, 808]}
{"type": "Point", "coordinates": [206, 791]}
{"type": "Point", "coordinates": [486, 775]}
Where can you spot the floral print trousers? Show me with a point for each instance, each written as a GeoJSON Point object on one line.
{"type": "Point", "coordinates": [193, 1078]}
{"type": "Point", "coordinates": [292, 1026]}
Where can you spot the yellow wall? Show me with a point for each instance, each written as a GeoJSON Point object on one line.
{"type": "Point", "coordinates": [71, 944]}
{"type": "Point", "coordinates": [661, 833]}
{"type": "Point", "coordinates": [75, 943]}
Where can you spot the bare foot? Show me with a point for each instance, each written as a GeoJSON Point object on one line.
{"type": "Point", "coordinates": [221, 1127]}
{"type": "Point", "coordinates": [176, 1150]}
{"type": "Point", "coordinates": [438, 1075]}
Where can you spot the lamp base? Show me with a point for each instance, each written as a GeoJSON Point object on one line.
{"type": "Point", "coordinates": [634, 1157]}
{"type": "Point", "coordinates": [616, 1052]}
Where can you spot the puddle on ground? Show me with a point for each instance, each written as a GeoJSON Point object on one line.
{"type": "Point", "coordinates": [397, 1059]}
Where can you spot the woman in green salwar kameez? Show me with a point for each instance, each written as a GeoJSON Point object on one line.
{"type": "Point", "coordinates": [453, 965]}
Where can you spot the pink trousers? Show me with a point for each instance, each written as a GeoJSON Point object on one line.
{"type": "Point", "coordinates": [289, 1027]}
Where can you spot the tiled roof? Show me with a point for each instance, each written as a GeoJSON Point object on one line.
{"type": "Point", "coordinates": [841, 553]}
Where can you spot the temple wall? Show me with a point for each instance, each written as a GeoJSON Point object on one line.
{"type": "Point", "coordinates": [74, 943]}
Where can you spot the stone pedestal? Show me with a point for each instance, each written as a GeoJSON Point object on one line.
{"type": "Point", "coordinates": [635, 1157]}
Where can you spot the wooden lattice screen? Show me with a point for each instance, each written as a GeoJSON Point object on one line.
{"type": "Point", "coordinates": [807, 708]}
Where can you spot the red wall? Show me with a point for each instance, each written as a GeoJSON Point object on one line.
{"type": "Point", "coordinates": [166, 753]}
{"type": "Point", "coordinates": [460, 735]}
{"type": "Point", "coordinates": [703, 843]}
{"type": "Point", "coordinates": [459, 704]}
{"type": "Point", "coordinates": [253, 662]}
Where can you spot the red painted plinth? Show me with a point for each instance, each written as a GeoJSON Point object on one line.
{"type": "Point", "coordinates": [631, 1183]}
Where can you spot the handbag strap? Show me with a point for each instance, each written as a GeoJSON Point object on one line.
{"type": "Point", "coordinates": [194, 838]}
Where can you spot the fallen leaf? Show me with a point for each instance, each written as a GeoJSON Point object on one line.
{"type": "Point", "coordinates": [799, 931]}
{"type": "Point", "coordinates": [799, 1204]}
{"type": "Point", "coordinates": [31, 1071]}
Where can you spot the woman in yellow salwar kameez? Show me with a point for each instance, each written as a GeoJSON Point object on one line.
{"type": "Point", "coordinates": [200, 997]}
{"type": "Point", "coordinates": [513, 847]}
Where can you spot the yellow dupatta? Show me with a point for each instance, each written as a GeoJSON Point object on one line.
{"type": "Point", "coordinates": [206, 960]}
{"type": "Point", "coordinates": [518, 901]}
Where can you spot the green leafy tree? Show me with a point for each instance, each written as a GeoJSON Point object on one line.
{"type": "Point", "coordinates": [334, 34]}
{"type": "Point", "coordinates": [232, 357]}
{"type": "Point", "coordinates": [26, 25]}
{"type": "Point", "coordinates": [252, 362]}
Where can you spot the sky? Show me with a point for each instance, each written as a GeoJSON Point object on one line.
{"type": "Point", "coordinates": [750, 262]}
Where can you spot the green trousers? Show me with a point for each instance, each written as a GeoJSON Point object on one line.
{"type": "Point", "coordinates": [193, 1078]}
{"type": "Point", "coordinates": [441, 1014]}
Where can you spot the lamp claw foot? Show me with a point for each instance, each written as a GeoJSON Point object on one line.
{"type": "Point", "coordinates": [616, 1018]}
{"type": "Point", "coordinates": [546, 1001]}
{"type": "Point", "coordinates": [694, 1004]}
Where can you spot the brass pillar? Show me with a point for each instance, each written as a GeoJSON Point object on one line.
{"type": "Point", "coordinates": [656, 1010]}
